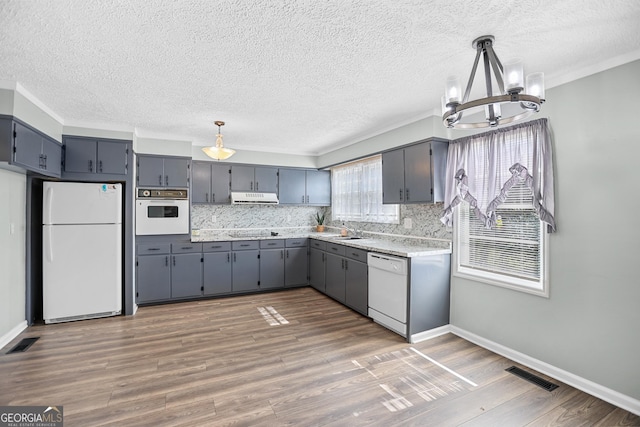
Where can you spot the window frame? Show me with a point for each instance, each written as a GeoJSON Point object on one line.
{"type": "Point", "coordinates": [499, 279]}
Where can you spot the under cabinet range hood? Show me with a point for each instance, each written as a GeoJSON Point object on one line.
{"type": "Point", "coordinates": [244, 198]}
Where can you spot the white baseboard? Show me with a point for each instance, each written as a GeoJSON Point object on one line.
{"type": "Point", "coordinates": [431, 333]}
{"type": "Point", "coordinates": [6, 338]}
{"type": "Point", "coordinates": [608, 395]}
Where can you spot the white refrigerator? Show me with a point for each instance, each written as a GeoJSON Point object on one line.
{"type": "Point", "coordinates": [82, 251]}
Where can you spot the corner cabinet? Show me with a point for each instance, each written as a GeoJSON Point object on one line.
{"type": "Point", "coordinates": [304, 187]}
{"type": "Point", "coordinates": [414, 174]}
{"type": "Point", "coordinates": [160, 171]}
{"type": "Point", "coordinates": [210, 183]}
{"type": "Point", "coordinates": [28, 148]}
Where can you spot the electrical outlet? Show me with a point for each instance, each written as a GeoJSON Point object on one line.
{"type": "Point", "coordinates": [408, 223]}
{"type": "Point", "coordinates": [288, 218]}
{"type": "Point", "coordinates": [214, 219]}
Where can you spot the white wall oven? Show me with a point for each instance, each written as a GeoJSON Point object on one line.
{"type": "Point", "coordinates": [162, 211]}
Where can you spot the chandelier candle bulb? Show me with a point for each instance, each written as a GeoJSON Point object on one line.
{"type": "Point", "coordinates": [535, 85]}
{"type": "Point", "coordinates": [454, 90]}
{"type": "Point", "coordinates": [514, 76]}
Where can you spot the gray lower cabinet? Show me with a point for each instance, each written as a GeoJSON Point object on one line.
{"type": "Point", "coordinates": [186, 275]}
{"type": "Point", "coordinates": [271, 268]}
{"type": "Point", "coordinates": [153, 278]}
{"type": "Point", "coordinates": [216, 268]}
{"type": "Point", "coordinates": [335, 277]}
{"type": "Point", "coordinates": [245, 266]}
{"type": "Point", "coordinates": [295, 267]}
{"type": "Point", "coordinates": [356, 285]}
{"type": "Point", "coordinates": [317, 270]}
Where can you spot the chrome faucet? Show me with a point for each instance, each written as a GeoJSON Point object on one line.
{"type": "Point", "coordinates": [354, 230]}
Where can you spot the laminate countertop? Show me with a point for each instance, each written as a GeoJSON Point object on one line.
{"type": "Point", "coordinates": [391, 245]}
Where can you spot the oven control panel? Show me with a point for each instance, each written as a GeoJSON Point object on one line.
{"type": "Point", "coordinates": [162, 194]}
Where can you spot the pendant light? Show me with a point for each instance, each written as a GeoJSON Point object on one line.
{"type": "Point", "coordinates": [526, 96]}
{"type": "Point", "coordinates": [219, 152]}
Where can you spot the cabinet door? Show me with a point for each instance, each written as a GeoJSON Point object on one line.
{"type": "Point", "coordinates": [217, 273]}
{"type": "Point", "coordinates": [80, 155]}
{"type": "Point", "coordinates": [52, 154]}
{"type": "Point", "coordinates": [112, 157]}
{"type": "Point", "coordinates": [317, 269]}
{"type": "Point", "coordinates": [186, 275]}
{"type": "Point", "coordinates": [201, 183]}
{"type": "Point", "coordinates": [292, 186]}
{"type": "Point", "coordinates": [393, 177]}
{"type": "Point", "coordinates": [319, 188]}
{"type": "Point", "coordinates": [357, 290]}
{"type": "Point", "coordinates": [246, 270]}
{"type": "Point", "coordinates": [27, 148]}
{"type": "Point", "coordinates": [176, 172]}
{"type": "Point", "coordinates": [220, 184]}
{"type": "Point", "coordinates": [271, 268]}
{"type": "Point", "coordinates": [242, 178]}
{"type": "Point", "coordinates": [295, 266]}
{"type": "Point", "coordinates": [266, 180]}
{"type": "Point", "coordinates": [150, 171]}
{"type": "Point", "coordinates": [417, 173]}
{"type": "Point", "coordinates": [335, 284]}
{"type": "Point", "coordinates": [439, 152]}
{"type": "Point", "coordinates": [153, 278]}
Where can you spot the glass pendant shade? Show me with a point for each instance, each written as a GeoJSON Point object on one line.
{"type": "Point", "coordinates": [453, 91]}
{"type": "Point", "coordinates": [218, 152]}
{"type": "Point", "coordinates": [535, 85]}
{"type": "Point", "coordinates": [514, 76]}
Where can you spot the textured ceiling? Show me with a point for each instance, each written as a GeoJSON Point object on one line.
{"type": "Point", "coordinates": [301, 77]}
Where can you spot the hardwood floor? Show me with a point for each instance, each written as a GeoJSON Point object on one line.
{"type": "Point", "coordinates": [302, 360]}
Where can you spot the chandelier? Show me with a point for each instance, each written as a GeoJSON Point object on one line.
{"type": "Point", "coordinates": [219, 152]}
{"type": "Point", "coordinates": [523, 98]}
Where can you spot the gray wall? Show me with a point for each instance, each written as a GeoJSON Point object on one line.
{"type": "Point", "coordinates": [12, 252]}
{"type": "Point", "coordinates": [590, 324]}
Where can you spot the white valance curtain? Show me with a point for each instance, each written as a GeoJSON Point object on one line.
{"type": "Point", "coordinates": [481, 169]}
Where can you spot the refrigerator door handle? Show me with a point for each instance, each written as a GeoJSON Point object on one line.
{"type": "Point", "coordinates": [49, 245]}
{"type": "Point", "coordinates": [48, 204]}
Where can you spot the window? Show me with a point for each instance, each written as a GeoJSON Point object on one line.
{"type": "Point", "coordinates": [499, 195]}
{"type": "Point", "coordinates": [512, 253]}
{"type": "Point", "coordinates": [356, 193]}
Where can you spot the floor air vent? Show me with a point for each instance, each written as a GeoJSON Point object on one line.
{"type": "Point", "coordinates": [23, 345]}
{"type": "Point", "coordinates": [532, 378]}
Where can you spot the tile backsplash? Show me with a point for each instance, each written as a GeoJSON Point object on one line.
{"type": "Point", "coordinates": [425, 219]}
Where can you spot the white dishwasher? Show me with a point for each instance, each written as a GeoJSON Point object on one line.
{"type": "Point", "coordinates": [388, 291]}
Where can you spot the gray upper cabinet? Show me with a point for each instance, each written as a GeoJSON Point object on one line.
{"type": "Point", "coordinates": [27, 148]}
{"type": "Point", "coordinates": [88, 155]}
{"type": "Point", "coordinates": [250, 178]}
{"type": "Point", "coordinates": [304, 187]}
{"type": "Point", "coordinates": [414, 174]}
{"type": "Point", "coordinates": [210, 183]}
{"type": "Point", "coordinates": [157, 171]}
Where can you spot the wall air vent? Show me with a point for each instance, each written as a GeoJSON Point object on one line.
{"type": "Point", "coordinates": [242, 198]}
{"type": "Point", "coordinates": [532, 378]}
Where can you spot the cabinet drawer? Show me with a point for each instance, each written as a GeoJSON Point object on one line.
{"type": "Point", "coordinates": [271, 244]}
{"type": "Point", "coordinates": [296, 243]}
{"type": "Point", "coordinates": [153, 248]}
{"type": "Point", "coordinates": [318, 244]}
{"type": "Point", "coordinates": [216, 246]}
{"type": "Point", "coordinates": [243, 245]}
{"type": "Point", "coordinates": [357, 254]}
{"type": "Point", "coordinates": [335, 249]}
{"type": "Point", "coordinates": [185, 248]}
